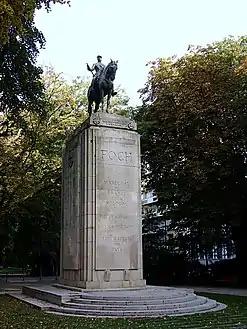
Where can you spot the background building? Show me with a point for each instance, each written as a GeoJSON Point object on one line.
{"type": "Point", "coordinates": [149, 201]}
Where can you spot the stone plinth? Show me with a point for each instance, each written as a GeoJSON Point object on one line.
{"type": "Point", "coordinates": [117, 303]}
{"type": "Point", "coordinates": [101, 207]}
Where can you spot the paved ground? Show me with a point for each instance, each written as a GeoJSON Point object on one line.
{"type": "Point", "coordinates": [17, 283]}
{"type": "Point", "coordinates": [219, 290]}
{"type": "Point", "coordinates": [222, 291]}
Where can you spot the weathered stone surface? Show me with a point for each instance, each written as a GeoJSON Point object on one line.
{"type": "Point", "coordinates": [101, 232]}
{"type": "Point", "coordinates": [101, 215]}
{"type": "Point", "coordinates": [143, 302]}
{"type": "Point", "coordinates": [118, 196]}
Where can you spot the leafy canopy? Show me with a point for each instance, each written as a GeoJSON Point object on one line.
{"type": "Point", "coordinates": [21, 88]}
{"type": "Point", "coordinates": [30, 166]}
{"type": "Point", "coordinates": [193, 125]}
{"type": "Point", "coordinates": [15, 14]}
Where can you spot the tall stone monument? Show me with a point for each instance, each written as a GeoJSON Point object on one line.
{"type": "Point", "coordinates": [101, 235]}
{"type": "Point", "coordinates": [101, 238]}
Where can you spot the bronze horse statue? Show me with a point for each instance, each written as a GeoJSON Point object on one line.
{"type": "Point", "coordinates": [101, 87]}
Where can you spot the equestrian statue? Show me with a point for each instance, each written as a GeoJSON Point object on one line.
{"type": "Point", "coordinates": [102, 84]}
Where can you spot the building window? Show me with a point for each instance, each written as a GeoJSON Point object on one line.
{"type": "Point", "coordinates": [224, 252]}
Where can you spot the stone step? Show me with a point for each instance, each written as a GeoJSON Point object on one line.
{"type": "Point", "coordinates": [34, 302]}
{"type": "Point", "coordinates": [158, 300]}
{"type": "Point", "coordinates": [140, 306]}
{"type": "Point", "coordinates": [149, 302]}
{"type": "Point", "coordinates": [209, 305]}
{"type": "Point", "coordinates": [50, 294]}
{"type": "Point", "coordinates": [129, 296]}
{"type": "Point", "coordinates": [219, 307]}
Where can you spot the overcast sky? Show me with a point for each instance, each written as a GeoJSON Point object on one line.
{"type": "Point", "coordinates": [133, 32]}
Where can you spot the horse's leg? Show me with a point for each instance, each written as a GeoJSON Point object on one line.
{"type": "Point", "coordinates": [90, 108]}
{"type": "Point", "coordinates": [108, 100]}
{"type": "Point", "coordinates": [96, 107]}
{"type": "Point", "coordinates": [102, 96]}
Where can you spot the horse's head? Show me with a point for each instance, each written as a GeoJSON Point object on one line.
{"type": "Point", "coordinates": [111, 69]}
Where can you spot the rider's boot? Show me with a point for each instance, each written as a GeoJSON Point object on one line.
{"type": "Point", "coordinates": [114, 93]}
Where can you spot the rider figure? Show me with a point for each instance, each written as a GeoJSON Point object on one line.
{"type": "Point", "coordinates": [98, 68]}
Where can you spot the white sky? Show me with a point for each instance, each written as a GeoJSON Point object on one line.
{"type": "Point", "coordinates": [134, 32]}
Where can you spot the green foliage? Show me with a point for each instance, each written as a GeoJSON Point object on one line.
{"type": "Point", "coordinates": [153, 238]}
{"type": "Point", "coordinates": [193, 126]}
{"type": "Point", "coordinates": [153, 231]}
{"type": "Point", "coordinates": [20, 84]}
{"type": "Point", "coordinates": [14, 15]}
{"type": "Point", "coordinates": [120, 103]}
{"type": "Point", "coordinates": [21, 88]}
{"type": "Point", "coordinates": [163, 262]}
{"type": "Point", "coordinates": [30, 169]}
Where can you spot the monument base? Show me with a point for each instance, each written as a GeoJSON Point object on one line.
{"type": "Point", "coordinates": [103, 284]}
{"type": "Point", "coordinates": [117, 303]}
{"type": "Point", "coordinates": [101, 235]}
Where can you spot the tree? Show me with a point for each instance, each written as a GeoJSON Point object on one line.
{"type": "Point", "coordinates": [120, 103]}
{"type": "Point", "coordinates": [20, 79]}
{"type": "Point", "coordinates": [31, 157]}
{"type": "Point", "coordinates": [15, 14]}
{"type": "Point", "coordinates": [153, 237]}
{"type": "Point", "coordinates": [38, 215]}
{"type": "Point", "coordinates": [30, 169]}
{"type": "Point", "coordinates": [193, 125]}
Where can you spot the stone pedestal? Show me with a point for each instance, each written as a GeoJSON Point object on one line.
{"type": "Point", "coordinates": [101, 240]}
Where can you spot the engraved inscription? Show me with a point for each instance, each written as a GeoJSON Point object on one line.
{"type": "Point", "coordinates": [123, 142]}
{"type": "Point", "coordinates": [123, 123]}
{"type": "Point", "coordinates": [115, 185]}
{"type": "Point", "coordinates": [122, 239]}
{"type": "Point", "coordinates": [117, 156]}
{"type": "Point", "coordinates": [113, 217]}
{"type": "Point", "coordinates": [117, 226]}
{"type": "Point", "coordinates": [117, 249]}
{"type": "Point", "coordinates": [116, 203]}
{"type": "Point", "coordinates": [117, 207]}
{"type": "Point", "coordinates": [116, 194]}
{"type": "Point", "coordinates": [113, 123]}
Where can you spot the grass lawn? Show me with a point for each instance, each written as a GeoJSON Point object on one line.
{"type": "Point", "coordinates": [16, 315]}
